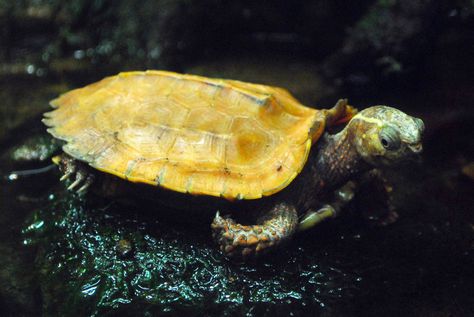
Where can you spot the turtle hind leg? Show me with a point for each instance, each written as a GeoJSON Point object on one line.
{"type": "Point", "coordinates": [237, 240]}
{"type": "Point", "coordinates": [80, 176]}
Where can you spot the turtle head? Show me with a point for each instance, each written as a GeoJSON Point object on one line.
{"type": "Point", "coordinates": [384, 135]}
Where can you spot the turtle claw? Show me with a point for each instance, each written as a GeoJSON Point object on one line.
{"type": "Point", "coordinates": [66, 176]}
{"type": "Point", "coordinates": [312, 218]}
{"type": "Point", "coordinates": [77, 181]}
{"type": "Point", "coordinates": [83, 179]}
{"type": "Point", "coordinates": [86, 185]}
{"type": "Point", "coordinates": [72, 169]}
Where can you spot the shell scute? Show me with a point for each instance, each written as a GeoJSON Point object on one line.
{"type": "Point", "coordinates": [251, 144]}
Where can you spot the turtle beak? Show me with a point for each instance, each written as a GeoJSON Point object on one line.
{"type": "Point", "coordinates": [416, 148]}
{"type": "Point", "coordinates": [415, 155]}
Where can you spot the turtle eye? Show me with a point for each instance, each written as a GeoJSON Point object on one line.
{"type": "Point", "coordinates": [389, 138]}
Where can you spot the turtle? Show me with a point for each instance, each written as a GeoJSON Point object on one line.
{"type": "Point", "coordinates": [270, 164]}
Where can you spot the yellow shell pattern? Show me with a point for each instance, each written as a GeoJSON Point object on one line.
{"type": "Point", "coordinates": [188, 133]}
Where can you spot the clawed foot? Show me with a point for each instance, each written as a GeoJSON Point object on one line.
{"type": "Point", "coordinates": [342, 197]}
{"type": "Point", "coordinates": [236, 240]}
{"type": "Point", "coordinates": [80, 177]}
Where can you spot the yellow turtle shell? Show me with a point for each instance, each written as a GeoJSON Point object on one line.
{"type": "Point", "coordinates": [188, 133]}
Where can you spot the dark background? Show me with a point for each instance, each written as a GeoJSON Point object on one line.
{"type": "Point", "coordinates": [363, 49]}
{"type": "Point", "coordinates": [57, 254]}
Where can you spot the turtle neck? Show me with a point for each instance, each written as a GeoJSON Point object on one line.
{"type": "Point", "coordinates": [332, 162]}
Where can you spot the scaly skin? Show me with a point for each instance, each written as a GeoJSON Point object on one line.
{"type": "Point", "coordinates": [273, 228]}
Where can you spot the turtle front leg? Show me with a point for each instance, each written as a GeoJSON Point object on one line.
{"type": "Point", "coordinates": [237, 240]}
{"type": "Point", "coordinates": [80, 175]}
{"type": "Point", "coordinates": [375, 194]}
{"type": "Point", "coordinates": [342, 196]}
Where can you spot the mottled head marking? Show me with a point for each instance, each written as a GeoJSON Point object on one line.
{"type": "Point", "coordinates": [384, 135]}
